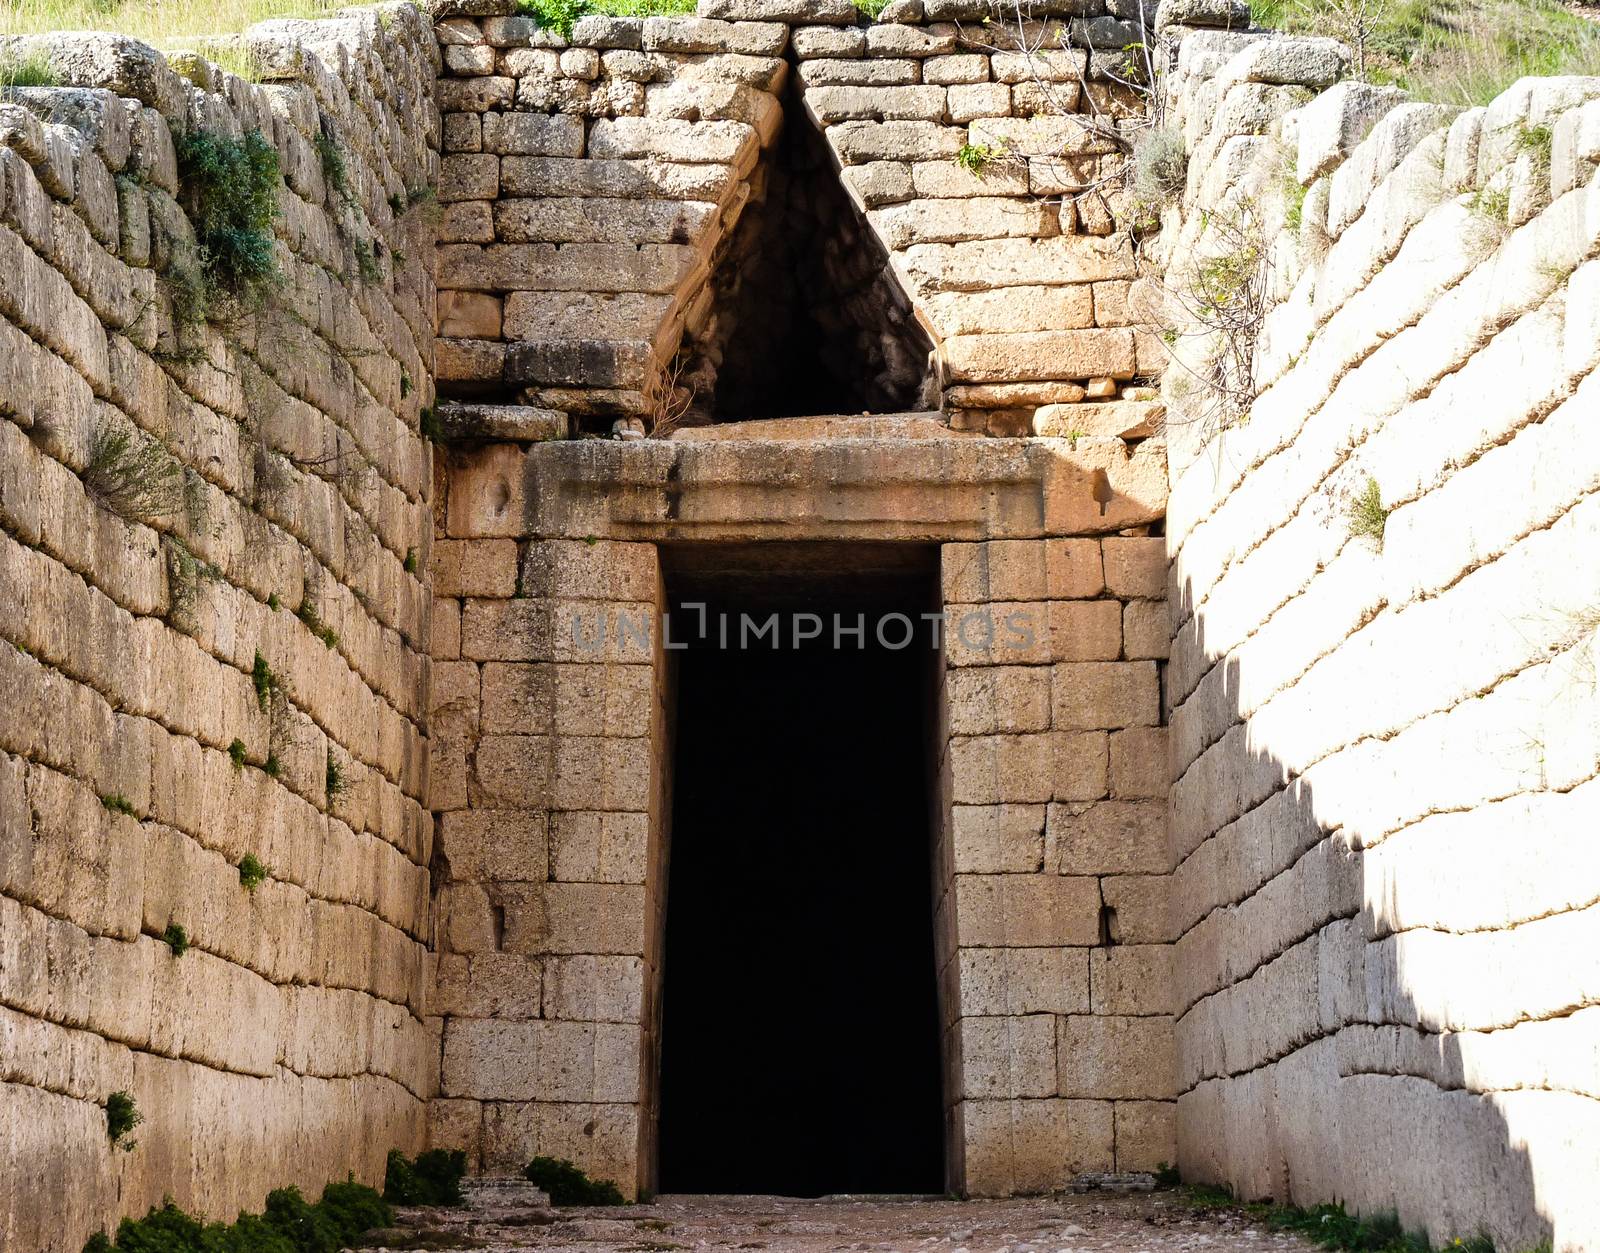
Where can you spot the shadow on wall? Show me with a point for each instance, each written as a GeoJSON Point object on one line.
{"type": "Point", "coordinates": [1324, 1041]}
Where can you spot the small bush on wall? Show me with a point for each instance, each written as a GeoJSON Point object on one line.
{"type": "Point", "coordinates": [568, 1185]}
{"type": "Point", "coordinates": [230, 189]}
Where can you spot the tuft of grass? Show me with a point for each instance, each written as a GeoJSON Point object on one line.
{"type": "Point", "coordinates": [1367, 515]}
{"type": "Point", "coordinates": [409, 565]}
{"type": "Point", "coordinates": [1294, 199]}
{"type": "Point", "coordinates": [561, 15]}
{"type": "Point", "coordinates": [568, 1185]}
{"type": "Point", "coordinates": [289, 1224]}
{"type": "Point", "coordinates": [236, 752]}
{"type": "Point", "coordinates": [308, 614]}
{"type": "Point", "coordinates": [272, 766]}
{"type": "Point", "coordinates": [252, 874]}
{"type": "Point", "coordinates": [264, 681]}
{"type": "Point", "coordinates": [274, 602]}
{"type": "Point", "coordinates": [429, 425]}
{"type": "Point", "coordinates": [1459, 52]}
{"type": "Point", "coordinates": [1160, 172]}
{"type": "Point", "coordinates": [119, 804]}
{"type": "Point", "coordinates": [334, 779]}
{"type": "Point", "coordinates": [1493, 203]}
{"type": "Point", "coordinates": [176, 938]}
{"type": "Point", "coordinates": [335, 169]}
{"type": "Point", "coordinates": [871, 9]}
{"type": "Point", "coordinates": [1538, 141]}
{"type": "Point", "coordinates": [29, 71]}
{"type": "Point", "coordinates": [433, 1179]}
{"type": "Point", "coordinates": [132, 475]}
{"type": "Point", "coordinates": [122, 1116]}
{"type": "Point", "coordinates": [974, 157]}
{"type": "Point", "coordinates": [230, 190]}
{"type": "Point", "coordinates": [368, 268]}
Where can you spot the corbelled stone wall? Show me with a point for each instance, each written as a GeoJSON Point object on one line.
{"type": "Point", "coordinates": [593, 184]}
{"type": "Point", "coordinates": [213, 601]}
{"type": "Point", "coordinates": [1386, 744]}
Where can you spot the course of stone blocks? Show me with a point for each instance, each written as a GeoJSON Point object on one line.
{"type": "Point", "coordinates": [592, 186]}
{"type": "Point", "coordinates": [214, 610]}
{"type": "Point", "coordinates": [1385, 746]}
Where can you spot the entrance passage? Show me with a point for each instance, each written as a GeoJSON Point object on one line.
{"type": "Point", "coordinates": [800, 1048]}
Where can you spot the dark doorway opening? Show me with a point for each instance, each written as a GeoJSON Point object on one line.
{"type": "Point", "coordinates": [800, 1033]}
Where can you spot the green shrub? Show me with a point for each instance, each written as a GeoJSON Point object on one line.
{"type": "Point", "coordinates": [289, 1225]}
{"type": "Point", "coordinates": [272, 766]}
{"type": "Point", "coordinates": [264, 681]}
{"type": "Point", "coordinates": [974, 157]}
{"type": "Point", "coordinates": [567, 1185]}
{"type": "Point", "coordinates": [562, 15]}
{"type": "Point", "coordinates": [236, 752]}
{"type": "Point", "coordinates": [230, 188]}
{"type": "Point", "coordinates": [334, 777]}
{"type": "Point", "coordinates": [410, 563]}
{"type": "Point", "coordinates": [308, 614]}
{"type": "Point", "coordinates": [119, 804]}
{"type": "Point", "coordinates": [252, 874]}
{"type": "Point", "coordinates": [433, 1179]}
{"type": "Point", "coordinates": [176, 937]}
{"type": "Point", "coordinates": [872, 9]}
{"type": "Point", "coordinates": [122, 1116]}
{"type": "Point", "coordinates": [335, 170]}
{"type": "Point", "coordinates": [132, 475]}
{"type": "Point", "coordinates": [1367, 515]}
{"type": "Point", "coordinates": [429, 424]}
{"type": "Point", "coordinates": [353, 1207]}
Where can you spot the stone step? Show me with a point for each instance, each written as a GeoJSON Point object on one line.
{"type": "Point", "coordinates": [832, 426]}
{"type": "Point", "coordinates": [520, 423]}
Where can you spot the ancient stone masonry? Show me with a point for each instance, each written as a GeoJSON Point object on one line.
{"type": "Point", "coordinates": [593, 185]}
{"type": "Point", "coordinates": [1384, 583]}
{"type": "Point", "coordinates": [214, 542]}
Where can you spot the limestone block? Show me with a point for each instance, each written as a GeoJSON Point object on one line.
{"type": "Point", "coordinates": [1108, 695]}
{"type": "Point", "coordinates": [599, 220]}
{"type": "Point", "coordinates": [518, 1061]}
{"type": "Point", "coordinates": [1073, 569]}
{"type": "Point", "coordinates": [463, 132]}
{"type": "Point", "coordinates": [671, 139]}
{"type": "Point", "coordinates": [938, 179]}
{"type": "Point", "coordinates": [1120, 419]}
{"type": "Point", "coordinates": [462, 919]}
{"type": "Point", "coordinates": [1000, 769]}
{"type": "Point", "coordinates": [492, 845]}
{"type": "Point", "coordinates": [507, 630]}
{"type": "Point", "coordinates": [599, 847]}
{"type": "Point", "coordinates": [1008, 1057]}
{"type": "Point", "coordinates": [717, 101]}
{"type": "Point", "coordinates": [1008, 570]}
{"type": "Point", "coordinates": [469, 176]}
{"type": "Point", "coordinates": [630, 66]}
{"type": "Point", "coordinates": [446, 629]}
{"type": "Point", "coordinates": [925, 221]}
{"type": "Point", "coordinates": [1024, 981]}
{"type": "Point", "coordinates": [1139, 908]}
{"type": "Point", "coordinates": [1303, 61]}
{"type": "Point", "coordinates": [654, 268]}
{"type": "Point", "coordinates": [858, 73]}
{"type": "Point", "coordinates": [1107, 837]}
{"type": "Point", "coordinates": [466, 221]}
{"type": "Point", "coordinates": [601, 774]}
{"type": "Point", "coordinates": [593, 989]}
{"type": "Point", "coordinates": [602, 1140]}
{"type": "Point", "coordinates": [1146, 1134]}
{"type": "Point", "coordinates": [1044, 136]}
{"type": "Point", "coordinates": [1134, 979]}
{"type": "Point", "coordinates": [698, 34]}
{"type": "Point", "coordinates": [581, 63]}
{"type": "Point", "coordinates": [512, 771]}
{"type": "Point", "coordinates": [489, 985]}
{"type": "Point", "coordinates": [1139, 763]}
{"type": "Point", "coordinates": [1011, 309]}
{"type": "Point", "coordinates": [969, 101]}
{"type": "Point", "coordinates": [1135, 566]}
{"type": "Point", "coordinates": [476, 95]}
{"type": "Point", "coordinates": [838, 104]}
{"type": "Point", "coordinates": [467, 60]}
{"type": "Point", "coordinates": [999, 633]}
{"type": "Point", "coordinates": [1112, 1057]}
{"type": "Point", "coordinates": [878, 183]}
{"type": "Point", "coordinates": [988, 265]}
{"type": "Point", "coordinates": [565, 176]}
{"type": "Point", "coordinates": [1223, 14]}
{"type": "Point", "coordinates": [891, 40]}
{"type": "Point", "coordinates": [469, 315]}
{"type": "Point", "coordinates": [1026, 911]}
{"type": "Point", "coordinates": [597, 30]}
{"type": "Point", "coordinates": [1330, 127]}
{"type": "Point", "coordinates": [1144, 630]}
{"type": "Point", "coordinates": [860, 142]}
{"type": "Point", "coordinates": [1033, 1146]}
{"type": "Point", "coordinates": [995, 839]}
{"type": "Point", "coordinates": [1079, 766]}
{"type": "Point", "coordinates": [838, 12]}
{"type": "Point", "coordinates": [1084, 630]}
{"type": "Point", "coordinates": [533, 134]}
{"type": "Point", "coordinates": [574, 918]}
{"type": "Point", "coordinates": [1038, 354]}
{"type": "Point", "coordinates": [811, 42]}
{"type": "Point", "coordinates": [990, 700]}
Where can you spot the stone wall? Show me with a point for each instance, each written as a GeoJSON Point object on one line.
{"type": "Point", "coordinates": [213, 546]}
{"type": "Point", "coordinates": [1385, 746]}
{"type": "Point", "coordinates": [593, 185]}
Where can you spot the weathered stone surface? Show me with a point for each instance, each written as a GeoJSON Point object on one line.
{"type": "Point", "coordinates": [600, 220]}
{"type": "Point", "coordinates": [1040, 355]}
{"type": "Point", "coordinates": [533, 134]}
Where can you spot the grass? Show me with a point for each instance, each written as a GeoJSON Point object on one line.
{"type": "Point", "coordinates": [264, 681]}
{"type": "Point", "coordinates": [167, 24]}
{"type": "Point", "coordinates": [334, 778]}
{"type": "Point", "coordinates": [1459, 52]}
{"type": "Point", "coordinates": [308, 614]}
{"type": "Point", "coordinates": [252, 874]}
{"type": "Point", "coordinates": [122, 1116]}
{"type": "Point", "coordinates": [289, 1224]}
{"type": "Point", "coordinates": [1327, 1226]}
{"type": "Point", "coordinates": [568, 1185]}
{"type": "Point", "coordinates": [119, 805]}
{"type": "Point", "coordinates": [176, 937]}
{"type": "Point", "coordinates": [29, 71]}
{"type": "Point", "coordinates": [561, 15]}
{"type": "Point", "coordinates": [236, 752]}
{"type": "Point", "coordinates": [1367, 515]}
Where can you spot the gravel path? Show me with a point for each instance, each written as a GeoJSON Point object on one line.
{"type": "Point", "coordinates": [1145, 1222]}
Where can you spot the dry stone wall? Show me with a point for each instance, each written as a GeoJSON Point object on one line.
{"type": "Point", "coordinates": [213, 546]}
{"type": "Point", "coordinates": [593, 184]}
{"type": "Point", "coordinates": [1384, 736]}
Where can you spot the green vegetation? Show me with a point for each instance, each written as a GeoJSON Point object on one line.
{"type": "Point", "coordinates": [429, 425]}
{"type": "Point", "coordinates": [176, 937]}
{"type": "Point", "coordinates": [1160, 170]}
{"type": "Point", "coordinates": [433, 1179]}
{"type": "Point", "coordinates": [871, 8]}
{"type": "Point", "coordinates": [274, 603]}
{"type": "Point", "coordinates": [252, 874]}
{"type": "Point", "coordinates": [1367, 514]}
{"type": "Point", "coordinates": [29, 71]}
{"type": "Point", "coordinates": [264, 681]}
{"type": "Point", "coordinates": [333, 777]}
{"type": "Point", "coordinates": [1330, 1227]}
{"type": "Point", "coordinates": [973, 157]}
{"type": "Point", "coordinates": [236, 752]}
{"type": "Point", "coordinates": [335, 170]}
{"type": "Point", "coordinates": [119, 804]}
{"type": "Point", "coordinates": [170, 24]}
{"type": "Point", "coordinates": [567, 1185]}
{"type": "Point", "coordinates": [409, 565]}
{"type": "Point", "coordinates": [132, 475]}
{"type": "Point", "coordinates": [272, 766]}
{"type": "Point", "coordinates": [1493, 203]}
{"type": "Point", "coordinates": [308, 614]}
{"type": "Point", "coordinates": [561, 15]}
{"type": "Point", "coordinates": [230, 189]}
{"type": "Point", "coordinates": [122, 1116]}
{"type": "Point", "coordinates": [289, 1225]}
{"type": "Point", "coordinates": [1538, 141]}
{"type": "Point", "coordinates": [1461, 52]}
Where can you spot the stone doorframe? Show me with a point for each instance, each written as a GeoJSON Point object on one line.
{"type": "Point", "coordinates": [1050, 855]}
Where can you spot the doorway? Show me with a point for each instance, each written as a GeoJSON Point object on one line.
{"type": "Point", "coordinates": [800, 1028]}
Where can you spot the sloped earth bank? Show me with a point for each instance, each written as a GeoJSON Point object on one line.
{"type": "Point", "coordinates": [1146, 1222]}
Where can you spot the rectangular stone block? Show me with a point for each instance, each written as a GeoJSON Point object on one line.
{"type": "Point", "coordinates": [994, 839]}
{"type": "Point", "coordinates": [485, 567]}
{"type": "Point", "coordinates": [1000, 769]}
{"type": "Point", "coordinates": [588, 847]}
{"type": "Point", "coordinates": [1138, 905]}
{"type": "Point", "coordinates": [594, 989]}
{"type": "Point", "coordinates": [1024, 981]}
{"type": "Point", "coordinates": [553, 316]}
{"type": "Point", "coordinates": [488, 845]}
{"type": "Point", "coordinates": [1000, 633]}
{"type": "Point", "coordinates": [1116, 1057]}
{"type": "Point", "coordinates": [1108, 837]}
{"type": "Point", "coordinates": [653, 179]}
{"type": "Point", "coordinates": [1085, 630]}
{"type": "Point", "coordinates": [1073, 569]}
{"type": "Point", "coordinates": [990, 700]}
{"type": "Point", "coordinates": [511, 771]}
{"type": "Point", "coordinates": [1105, 694]}
{"type": "Point", "coordinates": [556, 918]}
{"type": "Point", "coordinates": [1146, 1134]}
{"type": "Point", "coordinates": [1136, 566]}
{"type": "Point", "coordinates": [533, 134]}
{"type": "Point", "coordinates": [1008, 1056]}
{"type": "Point", "coordinates": [1033, 1146]}
{"type": "Point", "coordinates": [469, 176]}
{"type": "Point", "coordinates": [1079, 767]}
{"type": "Point", "coordinates": [1026, 911]}
{"type": "Point", "coordinates": [601, 774]}
{"type": "Point", "coordinates": [1139, 763]}
{"type": "Point", "coordinates": [1072, 354]}
{"type": "Point", "coordinates": [488, 985]}
{"type": "Point", "coordinates": [597, 220]}
{"type": "Point", "coordinates": [998, 570]}
{"type": "Point", "coordinates": [670, 139]}
{"type": "Point", "coordinates": [1146, 630]}
{"type": "Point", "coordinates": [597, 570]}
{"type": "Point", "coordinates": [1133, 979]}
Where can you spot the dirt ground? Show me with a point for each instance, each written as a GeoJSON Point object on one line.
{"type": "Point", "coordinates": [1142, 1222]}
